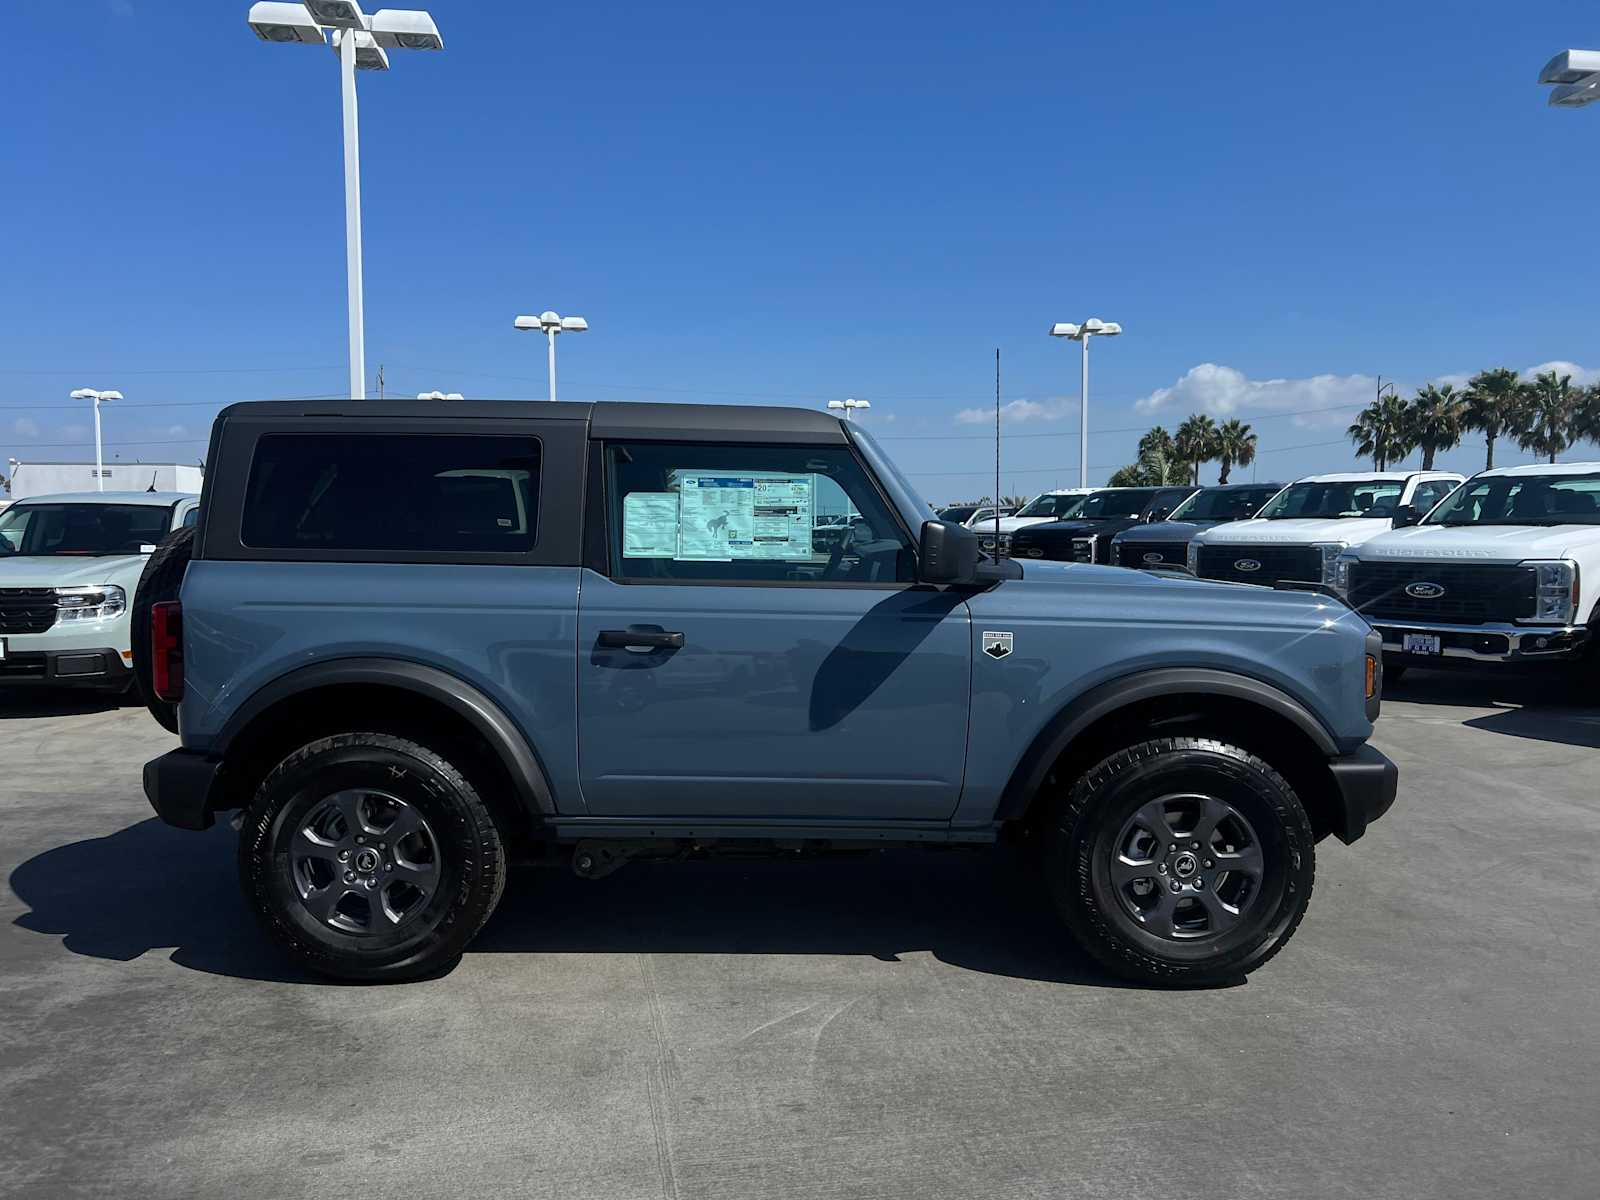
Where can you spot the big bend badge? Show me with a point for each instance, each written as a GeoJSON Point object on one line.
{"type": "Point", "coordinates": [996, 645]}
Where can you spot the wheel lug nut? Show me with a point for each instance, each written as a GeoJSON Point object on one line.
{"type": "Point", "coordinates": [349, 876]}
{"type": "Point", "coordinates": [1176, 886]}
{"type": "Point", "coordinates": [1209, 864]}
{"type": "Point", "coordinates": [388, 866]}
{"type": "Point", "coordinates": [1162, 868]}
{"type": "Point", "coordinates": [361, 841]}
{"type": "Point", "coordinates": [344, 856]}
{"type": "Point", "coordinates": [1194, 845]}
{"type": "Point", "coordinates": [381, 846]}
{"type": "Point", "coordinates": [1199, 883]}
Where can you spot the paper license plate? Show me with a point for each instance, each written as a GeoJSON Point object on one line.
{"type": "Point", "coordinates": [1420, 643]}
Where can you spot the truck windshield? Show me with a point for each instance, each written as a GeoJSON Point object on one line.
{"type": "Point", "coordinates": [1223, 504]}
{"type": "Point", "coordinates": [1358, 498]}
{"type": "Point", "coordinates": [1522, 500]}
{"type": "Point", "coordinates": [1051, 506]}
{"type": "Point", "coordinates": [1114, 504]}
{"type": "Point", "coordinates": [86, 530]}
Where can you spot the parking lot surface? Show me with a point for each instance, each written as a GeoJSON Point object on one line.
{"type": "Point", "coordinates": [895, 1024]}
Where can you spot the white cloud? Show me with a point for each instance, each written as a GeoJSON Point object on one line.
{"type": "Point", "coordinates": [72, 433]}
{"type": "Point", "coordinates": [1581, 376]}
{"type": "Point", "coordinates": [177, 431]}
{"type": "Point", "coordinates": [25, 427]}
{"type": "Point", "coordinates": [1017, 411]}
{"type": "Point", "coordinates": [1224, 391]}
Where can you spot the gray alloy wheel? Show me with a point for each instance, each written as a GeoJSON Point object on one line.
{"type": "Point", "coordinates": [364, 862]}
{"type": "Point", "coordinates": [1186, 867]}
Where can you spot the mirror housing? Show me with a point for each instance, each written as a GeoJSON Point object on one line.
{"type": "Point", "coordinates": [947, 553]}
{"type": "Point", "coordinates": [1406, 516]}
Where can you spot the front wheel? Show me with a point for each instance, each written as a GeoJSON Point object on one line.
{"type": "Point", "coordinates": [1181, 861]}
{"type": "Point", "coordinates": [367, 856]}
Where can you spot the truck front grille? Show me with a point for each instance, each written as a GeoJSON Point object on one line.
{"type": "Point", "coordinates": [1260, 564]}
{"type": "Point", "coordinates": [1450, 593]}
{"type": "Point", "coordinates": [27, 610]}
{"type": "Point", "coordinates": [1138, 554]}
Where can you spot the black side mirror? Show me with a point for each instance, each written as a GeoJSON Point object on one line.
{"type": "Point", "coordinates": [948, 553]}
{"type": "Point", "coordinates": [1406, 516]}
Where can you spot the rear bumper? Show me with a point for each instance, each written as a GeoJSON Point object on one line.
{"type": "Point", "coordinates": [1490, 642]}
{"type": "Point", "coordinates": [1367, 782]}
{"type": "Point", "coordinates": [179, 785]}
{"type": "Point", "coordinates": [96, 667]}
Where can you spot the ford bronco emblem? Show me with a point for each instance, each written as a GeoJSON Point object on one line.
{"type": "Point", "coordinates": [996, 645]}
{"type": "Point", "coordinates": [1153, 557]}
{"type": "Point", "coordinates": [1423, 590]}
{"type": "Point", "coordinates": [1246, 564]}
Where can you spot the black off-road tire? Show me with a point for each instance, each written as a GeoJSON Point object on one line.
{"type": "Point", "coordinates": [160, 581]}
{"type": "Point", "coordinates": [1084, 828]}
{"type": "Point", "coordinates": [470, 858]}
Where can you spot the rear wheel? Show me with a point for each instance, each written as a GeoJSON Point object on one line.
{"type": "Point", "coordinates": [160, 581]}
{"type": "Point", "coordinates": [367, 856]}
{"type": "Point", "coordinates": [1182, 860]}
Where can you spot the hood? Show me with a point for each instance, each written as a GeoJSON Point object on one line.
{"type": "Point", "coordinates": [1352, 531]}
{"type": "Point", "coordinates": [1082, 526]}
{"type": "Point", "coordinates": [68, 570]}
{"type": "Point", "coordinates": [1041, 575]}
{"type": "Point", "coordinates": [1487, 543]}
{"type": "Point", "coordinates": [1010, 524]}
{"type": "Point", "coordinates": [1166, 531]}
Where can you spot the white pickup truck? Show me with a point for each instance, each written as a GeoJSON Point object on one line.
{"type": "Point", "coordinates": [1304, 528]}
{"type": "Point", "coordinates": [1507, 569]}
{"type": "Point", "coordinates": [69, 567]}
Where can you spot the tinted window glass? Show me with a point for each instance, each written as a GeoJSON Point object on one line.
{"type": "Point", "coordinates": [1129, 503]}
{"type": "Point", "coordinates": [89, 530]}
{"type": "Point", "coordinates": [1223, 504]}
{"type": "Point", "coordinates": [1429, 494]}
{"type": "Point", "coordinates": [1361, 498]}
{"type": "Point", "coordinates": [1050, 505]}
{"type": "Point", "coordinates": [770, 514]}
{"type": "Point", "coordinates": [1523, 500]}
{"type": "Point", "coordinates": [393, 493]}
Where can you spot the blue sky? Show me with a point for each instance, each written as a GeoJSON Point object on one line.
{"type": "Point", "coordinates": [784, 204]}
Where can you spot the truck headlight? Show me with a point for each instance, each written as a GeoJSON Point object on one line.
{"type": "Point", "coordinates": [90, 603]}
{"type": "Point", "coordinates": [1555, 590]}
{"type": "Point", "coordinates": [1330, 556]}
{"type": "Point", "coordinates": [1192, 556]}
{"type": "Point", "coordinates": [1341, 574]}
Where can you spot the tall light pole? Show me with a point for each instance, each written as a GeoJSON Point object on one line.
{"type": "Point", "coordinates": [362, 43]}
{"type": "Point", "coordinates": [99, 398]}
{"type": "Point", "coordinates": [552, 324]}
{"type": "Point", "coordinates": [1093, 327]}
{"type": "Point", "coordinates": [1576, 76]}
{"type": "Point", "coordinates": [849, 406]}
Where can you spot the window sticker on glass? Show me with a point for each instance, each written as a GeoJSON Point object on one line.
{"type": "Point", "coordinates": [783, 507]}
{"type": "Point", "coordinates": [650, 525]}
{"type": "Point", "coordinates": [756, 514]}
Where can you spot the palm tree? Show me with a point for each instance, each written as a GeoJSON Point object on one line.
{"type": "Point", "coordinates": [1196, 442]}
{"type": "Point", "coordinates": [1131, 475]}
{"type": "Point", "coordinates": [1380, 432]}
{"type": "Point", "coordinates": [1433, 421]}
{"type": "Point", "coordinates": [1158, 439]}
{"type": "Point", "coordinates": [1546, 422]}
{"type": "Point", "coordinates": [1492, 399]}
{"type": "Point", "coordinates": [1586, 421]}
{"type": "Point", "coordinates": [1236, 444]}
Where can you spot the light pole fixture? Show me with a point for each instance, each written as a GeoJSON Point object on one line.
{"type": "Point", "coordinates": [99, 398]}
{"type": "Point", "coordinates": [849, 406]}
{"type": "Point", "coordinates": [440, 396]}
{"type": "Point", "coordinates": [1093, 327]}
{"type": "Point", "coordinates": [1575, 75]}
{"type": "Point", "coordinates": [362, 44]}
{"type": "Point", "coordinates": [552, 324]}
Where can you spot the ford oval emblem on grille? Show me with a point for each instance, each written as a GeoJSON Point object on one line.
{"type": "Point", "coordinates": [1246, 564]}
{"type": "Point", "coordinates": [1423, 590]}
{"type": "Point", "coordinates": [1035, 552]}
{"type": "Point", "coordinates": [1153, 557]}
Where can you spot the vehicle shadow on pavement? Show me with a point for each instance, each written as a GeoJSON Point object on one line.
{"type": "Point", "coordinates": [982, 910]}
{"type": "Point", "coordinates": [63, 703]}
{"type": "Point", "coordinates": [1528, 704]}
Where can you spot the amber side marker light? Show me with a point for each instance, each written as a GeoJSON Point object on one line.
{"type": "Point", "coordinates": [1372, 677]}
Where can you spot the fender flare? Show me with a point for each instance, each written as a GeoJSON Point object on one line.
{"type": "Point", "coordinates": [510, 746]}
{"type": "Point", "coordinates": [1106, 698]}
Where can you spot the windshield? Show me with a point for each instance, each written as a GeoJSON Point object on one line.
{"type": "Point", "coordinates": [1223, 504]}
{"type": "Point", "coordinates": [1360, 498]}
{"type": "Point", "coordinates": [1049, 505]}
{"type": "Point", "coordinates": [88, 530]}
{"type": "Point", "coordinates": [1522, 500]}
{"type": "Point", "coordinates": [1115, 504]}
{"type": "Point", "coordinates": [957, 513]}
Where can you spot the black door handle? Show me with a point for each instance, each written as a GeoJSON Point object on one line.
{"type": "Point", "coordinates": [641, 639]}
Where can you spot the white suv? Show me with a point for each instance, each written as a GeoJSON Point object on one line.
{"type": "Point", "coordinates": [1302, 530]}
{"type": "Point", "coordinates": [1506, 569]}
{"type": "Point", "coordinates": [69, 566]}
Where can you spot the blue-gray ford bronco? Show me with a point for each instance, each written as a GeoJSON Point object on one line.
{"type": "Point", "coordinates": [412, 643]}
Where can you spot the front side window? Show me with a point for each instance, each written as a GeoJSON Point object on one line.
{"type": "Point", "coordinates": [83, 530]}
{"type": "Point", "coordinates": [1522, 500]}
{"type": "Point", "coordinates": [393, 493]}
{"type": "Point", "coordinates": [749, 514]}
{"type": "Point", "coordinates": [1430, 493]}
{"type": "Point", "coordinates": [1362, 498]}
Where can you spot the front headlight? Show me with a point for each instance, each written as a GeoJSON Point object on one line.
{"type": "Point", "coordinates": [1555, 590]}
{"type": "Point", "coordinates": [1330, 555]}
{"type": "Point", "coordinates": [90, 603]}
{"type": "Point", "coordinates": [1341, 574]}
{"type": "Point", "coordinates": [1192, 556]}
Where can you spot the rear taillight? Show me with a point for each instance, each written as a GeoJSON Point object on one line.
{"type": "Point", "coordinates": [166, 650]}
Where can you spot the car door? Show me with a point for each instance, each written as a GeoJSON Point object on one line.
{"type": "Point", "coordinates": [730, 665]}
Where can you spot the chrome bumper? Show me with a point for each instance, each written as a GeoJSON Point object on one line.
{"type": "Point", "coordinates": [1496, 642]}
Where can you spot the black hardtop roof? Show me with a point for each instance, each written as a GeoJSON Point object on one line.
{"type": "Point", "coordinates": [605, 419]}
{"type": "Point", "coordinates": [1234, 487]}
